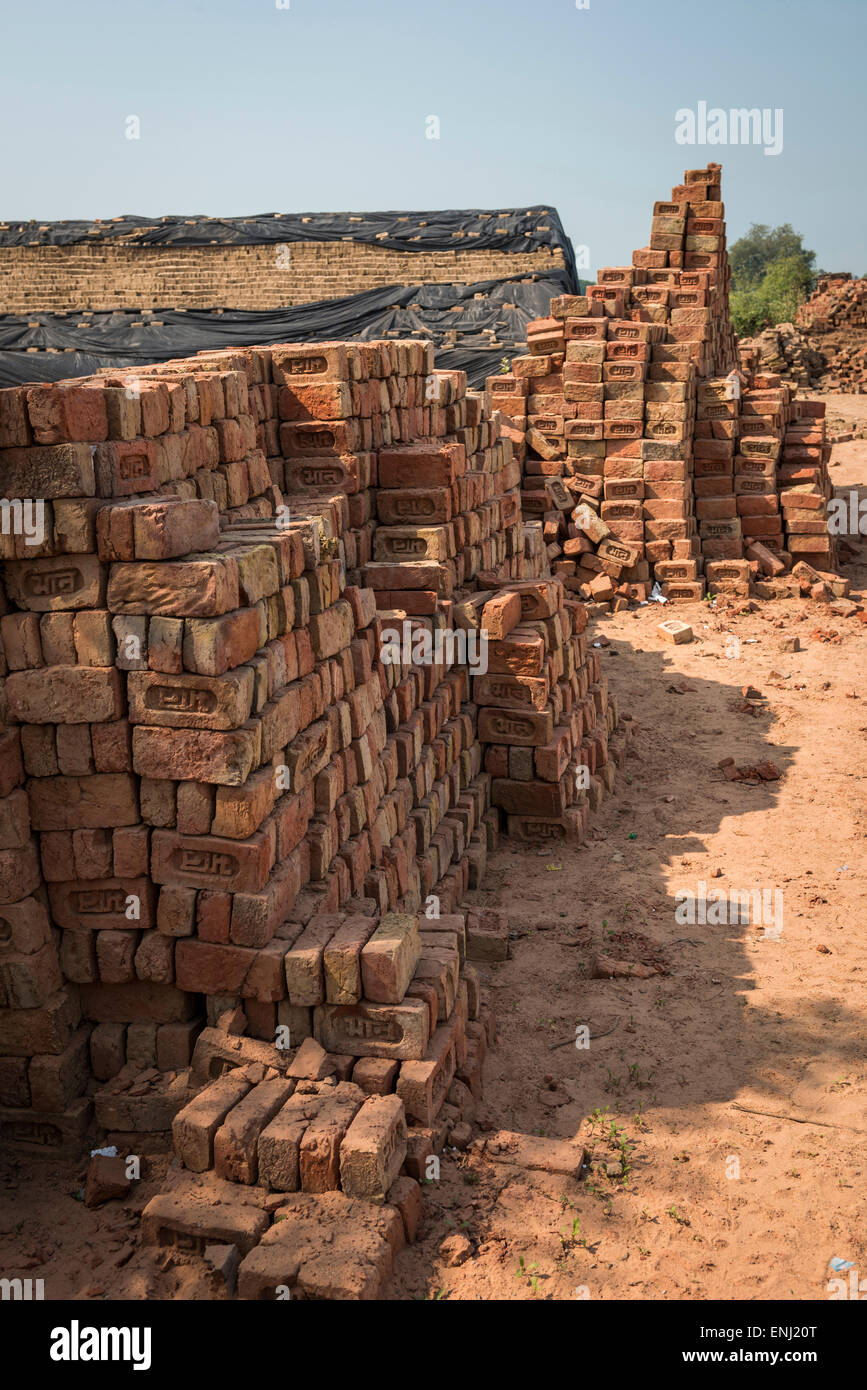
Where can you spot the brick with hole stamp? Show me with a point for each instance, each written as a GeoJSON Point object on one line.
{"type": "Point", "coordinates": [56, 584]}
{"type": "Point", "coordinates": [395, 1031]}
{"type": "Point", "coordinates": [103, 904]}
{"type": "Point", "coordinates": [210, 862]}
{"type": "Point", "coordinates": [191, 701]}
{"type": "Point", "coordinates": [524, 728]}
{"type": "Point", "coordinates": [429, 506]}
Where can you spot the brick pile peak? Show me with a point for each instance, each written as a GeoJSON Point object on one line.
{"type": "Point", "coordinates": [230, 784]}
{"type": "Point", "coordinates": [648, 456]}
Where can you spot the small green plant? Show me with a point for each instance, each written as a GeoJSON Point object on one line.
{"type": "Point", "coordinates": [675, 1215]}
{"type": "Point", "coordinates": [505, 366]}
{"type": "Point", "coordinates": [570, 1238]}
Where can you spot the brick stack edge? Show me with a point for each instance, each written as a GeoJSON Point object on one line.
{"type": "Point", "coordinates": [644, 458]}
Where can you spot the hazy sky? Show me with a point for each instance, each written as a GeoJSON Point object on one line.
{"type": "Point", "coordinates": [323, 105]}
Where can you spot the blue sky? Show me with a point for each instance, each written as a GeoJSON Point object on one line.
{"type": "Point", "coordinates": [322, 106]}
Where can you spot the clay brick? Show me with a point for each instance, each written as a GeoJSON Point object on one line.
{"type": "Point", "coordinates": [57, 583]}
{"type": "Point", "coordinates": [342, 960]}
{"type": "Point", "coordinates": [236, 1140]}
{"type": "Point", "coordinates": [213, 646]}
{"type": "Point", "coordinates": [373, 1030]}
{"type": "Point", "coordinates": [325, 1246]}
{"type": "Point", "coordinates": [178, 1219]}
{"type": "Point", "coordinates": [160, 530]}
{"type": "Point", "coordinates": [208, 861]}
{"type": "Point", "coordinates": [194, 1127]}
{"type": "Point", "coordinates": [65, 470]}
{"type": "Point", "coordinates": [389, 958]}
{"type": "Point", "coordinates": [374, 1148]}
{"type": "Point", "coordinates": [375, 1076]}
{"type": "Point", "coordinates": [48, 1028]}
{"type": "Point", "coordinates": [320, 1150]}
{"type": "Point", "coordinates": [200, 586]}
{"type": "Point", "coordinates": [59, 413]}
{"type": "Point", "coordinates": [303, 962]}
{"type": "Point", "coordinates": [65, 695]}
{"type": "Point", "coordinates": [203, 755]}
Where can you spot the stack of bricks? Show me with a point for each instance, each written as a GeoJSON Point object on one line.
{"type": "Point", "coordinates": [785, 437]}
{"type": "Point", "coordinates": [727, 484]}
{"type": "Point", "coordinates": [805, 486]}
{"type": "Point", "coordinates": [108, 622]}
{"type": "Point", "coordinates": [337, 404]}
{"type": "Point", "coordinates": [203, 715]}
{"type": "Point", "coordinates": [555, 394]}
{"type": "Point", "coordinates": [607, 399]}
{"type": "Point", "coordinates": [359, 1109]}
{"type": "Point", "coordinates": [677, 291]}
{"type": "Point", "coordinates": [343, 1136]}
{"type": "Point", "coordinates": [832, 324]}
{"type": "Point", "coordinates": [762, 497]}
{"type": "Point", "coordinates": [545, 714]}
{"type": "Point", "coordinates": [214, 747]}
{"type": "Point", "coordinates": [44, 1061]}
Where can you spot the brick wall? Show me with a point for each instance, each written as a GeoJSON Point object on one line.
{"type": "Point", "coordinates": [111, 275]}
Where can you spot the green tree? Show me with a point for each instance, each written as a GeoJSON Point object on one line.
{"type": "Point", "coordinates": [775, 299]}
{"type": "Point", "coordinates": [754, 252]}
{"type": "Point", "coordinates": [772, 274]}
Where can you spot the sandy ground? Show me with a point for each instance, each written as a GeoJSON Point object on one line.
{"type": "Point", "coordinates": [727, 1095]}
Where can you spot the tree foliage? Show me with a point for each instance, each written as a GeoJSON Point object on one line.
{"type": "Point", "coordinates": [772, 274]}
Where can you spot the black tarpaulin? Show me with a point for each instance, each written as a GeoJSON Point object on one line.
{"type": "Point", "coordinates": [513, 229]}
{"type": "Point", "coordinates": [472, 327]}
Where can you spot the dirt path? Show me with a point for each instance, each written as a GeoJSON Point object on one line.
{"type": "Point", "coordinates": [716, 1202]}
{"type": "Point", "coordinates": [712, 1200]}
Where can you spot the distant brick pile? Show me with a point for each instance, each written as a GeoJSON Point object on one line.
{"type": "Point", "coordinates": [644, 458]}
{"type": "Point", "coordinates": [607, 400]}
{"type": "Point", "coordinates": [826, 347]}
